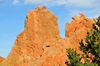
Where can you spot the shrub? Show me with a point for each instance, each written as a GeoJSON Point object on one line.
{"type": "Point", "coordinates": [92, 46]}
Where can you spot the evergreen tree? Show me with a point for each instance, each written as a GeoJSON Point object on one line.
{"type": "Point", "coordinates": [92, 46]}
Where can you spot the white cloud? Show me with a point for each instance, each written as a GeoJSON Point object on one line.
{"type": "Point", "coordinates": [60, 2]}
{"type": "Point", "coordinates": [0, 3]}
{"type": "Point", "coordinates": [47, 2]}
{"type": "Point", "coordinates": [75, 3]}
{"type": "Point", "coordinates": [15, 2]}
{"type": "Point", "coordinates": [82, 3]}
{"type": "Point", "coordinates": [88, 7]}
{"type": "Point", "coordinates": [57, 2]}
{"type": "Point", "coordinates": [90, 13]}
{"type": "Point", "coordinates": [35, 1]}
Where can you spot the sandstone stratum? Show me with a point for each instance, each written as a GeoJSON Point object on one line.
{"type": "Point", "coordinates": [41, 44]}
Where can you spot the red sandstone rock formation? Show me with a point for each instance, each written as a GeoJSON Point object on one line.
{"type": "Point", "coordinates": [1, 59]}
{"type": "Point", "coordinates": [77, 28]}
{"type": "Point", "coordinates": [40, 42]}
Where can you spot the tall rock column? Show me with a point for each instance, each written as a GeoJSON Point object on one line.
{"type": "Point", "coordinates": [40, 25]}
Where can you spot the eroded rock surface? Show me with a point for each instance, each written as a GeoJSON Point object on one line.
{"type": "Point", "coordinates": [78, 28]}
{"type": "Point", "coordinates": [40, 42]}
{"type": "Point", "coordinates": [1, 59]}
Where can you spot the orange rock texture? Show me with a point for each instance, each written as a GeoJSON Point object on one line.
{"type": "Point", "coordinates": [1, 59]}
{"type": "Point", "coordinates": [41, 44]}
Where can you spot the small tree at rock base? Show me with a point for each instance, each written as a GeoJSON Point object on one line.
{"type": "Point", "coordinates": [92, 47]}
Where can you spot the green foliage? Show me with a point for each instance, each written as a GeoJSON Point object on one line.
{"type": "Point", "coordinates": [92, 46]}
{"type": "Point", "coordinates": [73, 57]}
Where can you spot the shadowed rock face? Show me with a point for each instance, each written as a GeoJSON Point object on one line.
{"type": "Point", "coordinates": [1, 59]}
{"type": "Point", "coordinates": [40, 42]}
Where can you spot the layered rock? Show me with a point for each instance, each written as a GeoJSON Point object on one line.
{"type": "Point", "coordinates": [40, 42]}
{"type": "Point", "coordinates": [1, 59]}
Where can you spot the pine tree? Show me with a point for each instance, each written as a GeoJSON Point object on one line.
{"type": "Point", "coordinates": [92, 46]}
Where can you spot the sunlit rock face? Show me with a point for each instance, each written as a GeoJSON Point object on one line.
{"type": "Point", "coordinates": [78, 28]}
{"type": "Point", "coordinates": [41, 44]}
{"type": "Point", "coordinates": [1, 59]}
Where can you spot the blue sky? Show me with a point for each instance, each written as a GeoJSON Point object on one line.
{"type": "Point", "coordinates": [13, 15]}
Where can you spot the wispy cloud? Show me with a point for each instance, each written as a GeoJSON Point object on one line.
{"type": "Point", "coordinates": [88, 7]}
{"type": "Point", "coordinates": [15, 2]}
{"type": "Point", "coordinates": [47, 2]}
{"type": "Point", "coordinates": [59, 2]}
{"type": "Point", "coordinates": [75, 3]}
{"type": "Point", "coordinates": [35, 1]}
{"type": "Point", "coordinates": [0, 2]}
{"type": "Point", "coordinates": [90, 13]}
{"type": "Point", "coordinates": [83, 3]}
